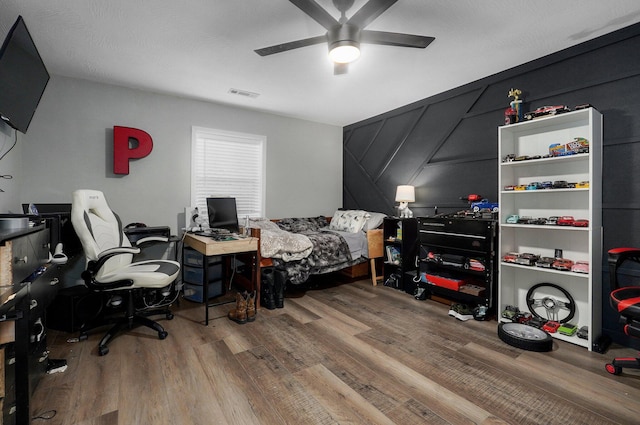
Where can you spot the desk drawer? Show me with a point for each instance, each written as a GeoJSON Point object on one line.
{"type": "Point", "coordinates": [28, 253]}
{"type": "Point", "coordinates": [194, 258]}
{"type": "Point", "coordinates": [196, 292]}
{"type": "Point", "coordinates": [195, 275]}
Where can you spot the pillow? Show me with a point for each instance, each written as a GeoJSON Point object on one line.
{"type": "Point", "coordinates": [351, 221]}
{"type": "Point", "coordinates": [374, 221]}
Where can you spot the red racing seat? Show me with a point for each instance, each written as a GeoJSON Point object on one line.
{"type": "Point", "coordinates": [626, 301]}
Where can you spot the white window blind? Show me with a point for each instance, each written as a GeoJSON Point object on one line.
{"type": "Point", "coordinates": [228, 164]}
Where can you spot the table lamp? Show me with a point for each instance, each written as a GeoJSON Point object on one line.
{"type": "Point", "coordinates": [404, 195]}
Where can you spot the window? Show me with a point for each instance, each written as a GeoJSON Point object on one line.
{"type": "Point", "coordinates": [228, 164]}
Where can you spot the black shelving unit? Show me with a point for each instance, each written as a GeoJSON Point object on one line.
{"type": "Point", "coordinates": [400, 250]}
{"type": "Point", "coordinates": [457, 259]}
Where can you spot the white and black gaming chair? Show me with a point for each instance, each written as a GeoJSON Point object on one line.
{"type": "Point", "coordinates": [109, 263]}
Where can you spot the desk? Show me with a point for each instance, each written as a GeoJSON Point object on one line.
{"type": "Point", "coordinates": [208, 247]}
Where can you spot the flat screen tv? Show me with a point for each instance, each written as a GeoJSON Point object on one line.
{"type": "Point", "coordinates": [223, 214]}
{"type": "Point", "coordinates": [23, 77]}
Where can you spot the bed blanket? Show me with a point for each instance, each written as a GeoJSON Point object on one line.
{"type": "Point", "coordinates": [281, 244]}
{"type": "Point", "coordinates": [330, 253]}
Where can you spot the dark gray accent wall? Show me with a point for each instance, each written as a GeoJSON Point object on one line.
{"type": "Point", "coordinates": [446, 145]}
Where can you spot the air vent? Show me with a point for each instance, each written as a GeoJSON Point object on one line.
{"type": "Point", "coordinates": [244, 93]}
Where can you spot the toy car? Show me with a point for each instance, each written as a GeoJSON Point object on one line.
{"type": "Point", "coordinates": [510, 257]}
{"type": "Point", "coordinates": [524, 219]}
{"type": "Point", "coordinates": [513, 219]}
{"type": "Point", "coordinates": [522, 158]}
{"type": "Point", "coordinates": [536, 322]}
{"type": "Point", "coordinates": [577, 145]}
{"type": "Point", "coordinates": [546, 110]}
{"type": "Point", "coordinates": [562, 264]}
{"type": "Point", "coordinates": [581, 223]}
{"type": "Point", "coordinates": [523, 317]}
{"type": "Point", "coordinates": [508, 158]}
{"type": "Point", "coordinates": [580, 267]}
{"type": "Point", "coordinates": [527, 259]}
{"type": "Point", "coordinates": [546, 185]}
{"type": "Point", "coordinates": [583, 332]}
{"type": "Point", "coordinates": [484, 205]}
{"type": "Point", "coordinates": [551, 326]}
{"type": "Point", "coordinates": [582, 185]}
{"type": "Point", "coordinates": [510, 312]}
{"type": "Point", "coordinates": [568, 329]}
{"type": "Point", "coordinates": [509, 187]}
{"type": "Point", "coordinates": [560, 184]}
{"type": "Point", "coordinates": [565, 220]}
{"type": "Point", "coordinates": [545, 262]}
{"type": "Point", "coordinates": [475, 265]}
{"type": "Point", "coordinates": [553, 220]}
{"type": "Point", "coordinates": [538, 221]}
{"type": "Point", "coordinates": [533, 186]}
{"type": "Point", "coordinates": [520, 187]}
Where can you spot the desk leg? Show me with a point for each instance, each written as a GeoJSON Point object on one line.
{"type": "Point", "coordinates": [256, 277]}
{"type": "Point", "coordinates": [205, 290]}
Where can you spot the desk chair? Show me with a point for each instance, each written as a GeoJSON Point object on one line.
{"type": "Point", "coordinates": [109, 264]}
{"type": "Point", "coordinates": [626, 301]}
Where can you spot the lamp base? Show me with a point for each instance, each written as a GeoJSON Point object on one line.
{"type": "Point", "coordinates": [404, 211]}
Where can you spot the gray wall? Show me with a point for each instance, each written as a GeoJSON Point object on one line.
{"type": "Point", "coordinates": [69, 146]}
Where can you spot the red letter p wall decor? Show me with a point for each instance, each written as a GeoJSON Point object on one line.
{"type": "Point", "coordinates": [122, 153]}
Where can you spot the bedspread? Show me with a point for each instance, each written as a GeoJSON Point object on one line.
{"type": "Point", "coordinates": [330, 253]}
{"type": "Point", "coordinates": [280, 244]}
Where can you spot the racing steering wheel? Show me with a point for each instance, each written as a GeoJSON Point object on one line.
{"type": "Point", "coordinates": [550, 305]}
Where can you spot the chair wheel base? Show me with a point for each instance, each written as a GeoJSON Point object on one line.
{"type": "Point", "coordinates": [614, 370]}
{"type": "Point", "coordinates": [163, 334]}
{"type": "Point", "coordinates": [103, 351]}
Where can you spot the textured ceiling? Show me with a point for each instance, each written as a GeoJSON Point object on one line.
{"type": "Point", "coordinates": [202, 48]}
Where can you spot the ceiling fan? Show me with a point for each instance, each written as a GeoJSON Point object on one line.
{"type": "Point", "coordinates": [345, 35]}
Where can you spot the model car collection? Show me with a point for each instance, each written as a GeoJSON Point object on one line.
{"type": "Point", "coordinates": [579, 145]}
{"type": "Point", "coordinates": [565, 220]}
{"type": "Point", "coordinates": [561, 264]}
{"type": "Point", "coordinates": [558, 184]}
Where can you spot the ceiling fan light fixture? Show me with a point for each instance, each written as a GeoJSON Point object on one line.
{"type": "Point", "coordinates": [344, 43]}
{"type": "Point", "coordinates": [344, 51]}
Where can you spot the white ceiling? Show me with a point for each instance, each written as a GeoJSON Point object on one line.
{"type": "Point", "coordinates": [202, 48]}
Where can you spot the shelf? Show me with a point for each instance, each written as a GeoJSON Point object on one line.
{"type": "Point", "coordinates": [544, 227]}
{"type": "Point", "coordinates": [533, 138]}
{"type": "Point", "coordinates": [552, 160]}
{"type": "Point", "coordinates": [545, 270]}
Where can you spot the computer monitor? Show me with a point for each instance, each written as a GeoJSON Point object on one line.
{"type": "Point", "coordinates": [223, 214]}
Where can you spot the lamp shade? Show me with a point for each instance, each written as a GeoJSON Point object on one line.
{"type": "Point", "coordinates": [405, 193]}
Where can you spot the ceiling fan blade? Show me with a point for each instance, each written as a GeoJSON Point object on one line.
{"type": "Point", "coordinates": [395, 39]}
{"type": "Point", "coordinates": [316, 12]}
{"type": "Point", "coordinates": [279, 48]}
{"type": "Point", "coordinates": [340, 68]}
{"type": "Point", "coordinates": [369, 12]}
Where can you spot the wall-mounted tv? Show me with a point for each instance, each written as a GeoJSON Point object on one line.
{"type": "Point", "coordinates": [23, 77]}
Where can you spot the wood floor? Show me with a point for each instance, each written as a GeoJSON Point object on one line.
{"type": "Point", "coordinates": [335, 354]}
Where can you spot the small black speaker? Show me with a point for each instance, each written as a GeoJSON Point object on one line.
{"type": "Point", "coordinates": [74, 307]}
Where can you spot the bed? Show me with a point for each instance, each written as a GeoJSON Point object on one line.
{"type": "Point", "coordinates": [318, 245]}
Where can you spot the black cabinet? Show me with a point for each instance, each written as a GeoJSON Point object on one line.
{"type": "Point", "coordinates": [400, 250]}
{"type": "Point", "coordinates": [457, 259]}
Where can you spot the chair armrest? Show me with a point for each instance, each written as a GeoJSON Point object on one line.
{"type": "Point", "coordinates": [150, 240]}
{"type": "Point", "coordinates": [117, 251]}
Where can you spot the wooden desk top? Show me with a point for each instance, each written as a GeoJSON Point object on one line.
{"type": "Point", "coordinates": [209, 247]}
